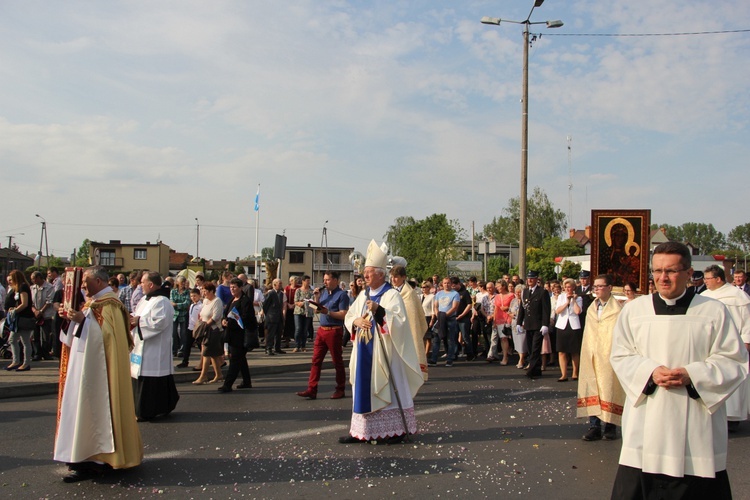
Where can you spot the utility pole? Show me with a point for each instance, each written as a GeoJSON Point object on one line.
{"type": "Point", "coordinates": [197, 238]}
{"type": "Point", "coordinates": [43, 239]}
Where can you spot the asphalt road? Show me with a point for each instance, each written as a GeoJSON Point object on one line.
{"type": "Point", "coordinates": [485, 431]}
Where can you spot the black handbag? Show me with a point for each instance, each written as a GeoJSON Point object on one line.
{"type": "Point", "coordinates": [25, 323]}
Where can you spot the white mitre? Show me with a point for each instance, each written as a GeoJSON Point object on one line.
{"type": "Point", "coordinates": [376, 255]}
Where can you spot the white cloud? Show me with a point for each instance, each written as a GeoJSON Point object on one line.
{"type": "Point", "coordinates": [315, 100]}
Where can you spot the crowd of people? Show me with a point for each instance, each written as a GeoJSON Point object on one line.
{"type": "Point", "coordinates": [643, 362]}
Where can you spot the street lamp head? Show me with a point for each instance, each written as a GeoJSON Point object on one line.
{"type": "Point", "coordinates": [554, 24]}
{"type": "Point", "coordinates": [538, 3]}
{"type": "Point", "coordinates": [491, 20]}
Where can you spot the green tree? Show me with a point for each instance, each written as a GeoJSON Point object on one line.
{"type": "Point", "coordinates": [538, 259]}
{"type": "Point", "coordinates": [704, 237]}
{"type": "Point", "coordinates": [82, 256]}
{"type": "Point", "coordinates": [496, 267]}
{"type": "Point", "coordinates": [427, 244]}
{"type": "Point", "coordinates": [740, 237]}
{"type": "Point", "coordinates": [570, 269]}
{"type": "Point", "coordinates": [557, 247]}
{"type": "Point", "coordinates": [543, 220]}
{"type": "Point", "coordinates": [266, 253]}
{"type": "Point", "coordinates": [543, 259]}
{"type": "Point", "coordinates": [673, 232]}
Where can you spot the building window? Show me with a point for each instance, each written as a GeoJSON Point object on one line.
{"type": "Point", "coordinates": [106, 257]}
{"type": "Point", "coordinates": [331, 258]}
{"type": "Point", "coordinates": [296, 257]}
{"type": "Point", "coordinates": [139, 254]}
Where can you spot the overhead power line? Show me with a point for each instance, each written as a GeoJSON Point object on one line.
{"type": "Point", "coordinates": [686, 33]}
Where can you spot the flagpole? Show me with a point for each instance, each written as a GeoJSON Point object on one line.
{"type": "Point", "coordinates": [257, 216]}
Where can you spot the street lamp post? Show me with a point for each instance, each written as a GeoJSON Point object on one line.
{"type": "Point", "coordinates": [197, 238]}
{"type": "Point", "coordinates": [523, 223]}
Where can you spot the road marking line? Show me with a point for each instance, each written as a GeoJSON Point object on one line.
{"type": "Point", "coordinates": [529, 391]}
{"type": "Point", "coordinates": [343, 427]}
{"type": "Point", "coordinates": [165, 454]}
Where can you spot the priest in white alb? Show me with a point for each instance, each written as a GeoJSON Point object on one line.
{"type": "Point", "coordinates": [737, 303]}
{"type": "Point", "coordinates": [384, 368]}
{"type": "Point", "coordinates": [414, 311]}
{"type": "Point", "coordinates": [97, 428]}
{"type": "Point", "coordinates": [678, 356]}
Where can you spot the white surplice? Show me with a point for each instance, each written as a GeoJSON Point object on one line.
{"type": "Point", "coordinates": [668, 432]}
{"type": "Point", "coordinates": [737, 303]}
{"type": "Point", "coordinates": [85, 426]}
{"type": "Point", "coordinates": [156, 317]}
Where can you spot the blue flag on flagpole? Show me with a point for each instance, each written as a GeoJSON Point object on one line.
{"type": "Point", "coordinates": [257, 198]}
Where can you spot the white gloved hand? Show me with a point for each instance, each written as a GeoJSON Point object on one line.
{"type": "Point", "coordinates": [545, 330]}
{"type": "Point", "coordinates": [519, 329]}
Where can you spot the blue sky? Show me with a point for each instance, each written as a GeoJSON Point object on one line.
{"type": "Point", "coordinates": [127, 120]}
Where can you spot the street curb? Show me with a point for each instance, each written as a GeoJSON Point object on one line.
{"type": "Point", "coordinates": [180, 377]}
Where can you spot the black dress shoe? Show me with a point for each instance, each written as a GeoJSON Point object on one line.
{"type": "Point", "coordinates": [85, 470]}
{"type": "Point", "coordinates": [270, 353]}
{"type": "Point", "coordinates": [392, 439]}
{"type": "Point", "coordinates": [610, 432]}
{"type": "Point", "coordinates": [245, 386]}
{"type": "Point", "coordinates": [75, 476]}
{"type": "Point", "coordinates": [279, 351]}
{"type": "Point", "coordinates": [593, 434]}
{"type": "Point", "coordinates": [350, 440]}
{"type": "Point", "coordinates": [36, 358]}
{"type": "Point", "coordinates": [224, 388]}
{"type": "Point", "coordinates": [184, 364]}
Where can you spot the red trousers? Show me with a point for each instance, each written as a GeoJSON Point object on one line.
{"type": "Point", "coordinates": [328, 338]}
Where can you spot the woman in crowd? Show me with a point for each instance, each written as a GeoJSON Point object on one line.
{"type": "Point", "coordinates": [303, 314]}
{"type": "Point", "coordinates": [630, 290]}
{"type": "Point", "coordinates": [501, 328]}
{"type": "Point", "coordinates": [550, 340]}
{"type": "Point", "coordinates": [18, 306]}
{"type": "Point", "coordinates": [114, 284]}
{"type": "Point", "coordinates": [238, 316]}
{"type": "Point", "coordinates": [427, 301]}
{"type": "Point", "coordinates": [568, 326]}
{"type": "Point", "coordinates": [519, 339]}
{"type": "Point", "coordinates": [213, 350]}
{"type": "Point", "coordinates": [355, 287]}
{"type": "Point", "coordinates": [354, 290]}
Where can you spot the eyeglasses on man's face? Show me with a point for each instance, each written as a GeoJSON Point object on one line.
{"type": "Point", "coordinates": [670, 273]}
